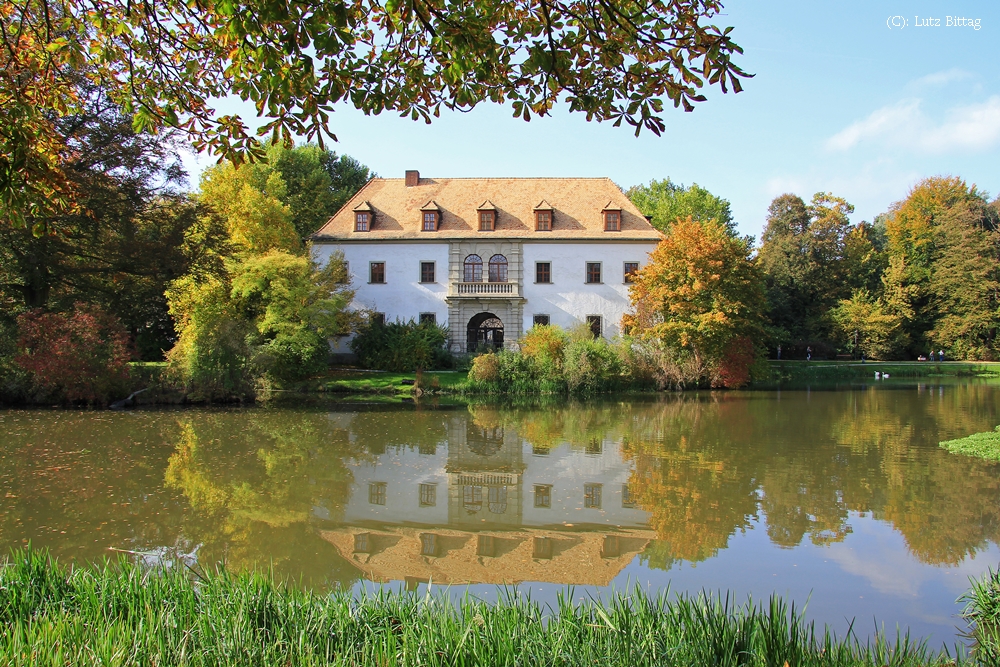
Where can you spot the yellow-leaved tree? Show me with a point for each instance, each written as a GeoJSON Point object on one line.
{"type": "Point", "coordinates": [700, 301]}
{"type": "Point", "coordinates": [255, 309]}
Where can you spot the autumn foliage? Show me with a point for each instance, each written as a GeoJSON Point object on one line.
{"type": "Point", "coordinates": [80, 356]}
{"type": "Point", "coordinates": [701, 299]}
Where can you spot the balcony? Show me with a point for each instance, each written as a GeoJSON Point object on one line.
{"type": "Point", "coordinates": [485, 290]}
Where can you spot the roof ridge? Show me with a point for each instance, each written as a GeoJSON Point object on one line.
{"type": "Point", "coordinates": [505, 178]}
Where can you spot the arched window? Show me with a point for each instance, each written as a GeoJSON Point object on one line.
{"type": "Point", "coordinates": [473, 269]}
{"type": "Point", "coordinates": [498, 269]}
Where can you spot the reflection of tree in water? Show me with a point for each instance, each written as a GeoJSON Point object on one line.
{"type": "Point", "coordinates": [253, 480]}
{"type": "Point", "coordinates": [484, 441]}
{"type": "Point", "coordinates": [704, 467]}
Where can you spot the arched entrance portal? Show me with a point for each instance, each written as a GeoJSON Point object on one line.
{"type": "Point", "coordinates": [485, 330]}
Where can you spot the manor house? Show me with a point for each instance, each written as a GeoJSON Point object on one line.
{"type": "Point", "coordinates": [490, 257]}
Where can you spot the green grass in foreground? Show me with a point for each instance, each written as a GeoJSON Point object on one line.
{"type": "Point", "coordinates": [122, 614]}
{"type": "Point", "coordinates": [982, 612]}
{"type": "Point", "coordinates": [984, 445]}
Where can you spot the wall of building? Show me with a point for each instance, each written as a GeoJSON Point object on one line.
{"type": "Point", "coordinates": [402, 295]}
{"type": "Point", "coordinates": [568, 300]}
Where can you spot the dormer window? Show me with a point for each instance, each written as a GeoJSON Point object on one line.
{"type": "Point", "coordinates": [612, 220]}
{"type": "Point", "coordinates": [364, 216]}
{"type": "Point", "coordinates": [487, 216]}
{"type": "Point", "coordinates": [487, 221]}
{"type": "Point", "coordinates": [543, 217]}
{"type": "Point", "coordinates": [430, 221]}
{"type": "Point", "coordinates": [543, 221]}
{"type": "Point", "coordinates": [430, 215]}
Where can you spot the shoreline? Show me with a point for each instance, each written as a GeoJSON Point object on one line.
{"type": "Point", "coordinates": [345, 382]}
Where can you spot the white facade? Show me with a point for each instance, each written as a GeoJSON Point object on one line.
{"type": "Point", "coordinates": [568, 299]}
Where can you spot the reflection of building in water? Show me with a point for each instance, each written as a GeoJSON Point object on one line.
{"type": "Point", "coordinates": [444, 555]}
{"type": "Point", "coordinates": [489, 507]}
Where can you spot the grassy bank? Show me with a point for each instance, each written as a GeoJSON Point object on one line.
{"type": "Point", "coordinates": [848, 371]}
{"type": "Point", "coordinates": [124, 615]}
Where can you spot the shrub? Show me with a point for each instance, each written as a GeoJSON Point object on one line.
{"type": "Point", "coordinates": [545, 346]}
{"type": "Point", "coordinates": [485, 368]}
{"type": "Point", "coordinates": [733, 370]}
{"type": "Point", "coordinates": [592, 365]}
{"type": "Point", "coordinates": [80, 356]}
{"type": "Point", "coordinates": [401, 346]}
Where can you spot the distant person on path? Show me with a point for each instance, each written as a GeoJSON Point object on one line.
{"type": "Point", "coordinates": [779, 352]}
{"type": "Point", "coordinates": [940, 355]}
{"type": "Point", "coordinates": [809, 353]}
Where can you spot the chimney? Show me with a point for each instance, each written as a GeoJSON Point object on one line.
{"type": "Point", "coordinates": [412, 178]}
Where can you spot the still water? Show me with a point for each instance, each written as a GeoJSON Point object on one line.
{"type": "Point", "coordinates": [839, 499]}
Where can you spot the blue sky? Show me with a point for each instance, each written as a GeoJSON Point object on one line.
{"type": "Point", "coordinates": [841, 101]}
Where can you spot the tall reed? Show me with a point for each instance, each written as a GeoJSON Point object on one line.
{"type": "Point", "coordinates": [122, 614]}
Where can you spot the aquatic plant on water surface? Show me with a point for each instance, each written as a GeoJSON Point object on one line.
{"type": "Point", "coordinates": [124, 614]}
{"type": "Point", "coordinates": [983, 445]}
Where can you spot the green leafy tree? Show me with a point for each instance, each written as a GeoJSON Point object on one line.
{"type": "Point", "coordinates": [167, 61]}
{"type": "Point", "coordinates": [254, 306]}
{"type": "Point", "coordinates": [942, 246]}
{"type": "Point", "coordinates": [866, 326]}
{"type": "Point", "coordinates": [666, 202]}
{"type": "Point", "coordinates": [122, 243]}
{"type": "Point", "coordinates": [965, 284]}
{"type": "Point", "coordinates": [806, 255]}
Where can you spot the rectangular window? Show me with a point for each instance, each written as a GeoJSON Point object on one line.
{"type": "Point", "coordinates": [361, 222]}
{"type": "Point", "coordinates": [428, 318]}
{"type": "Point", "coordinates": [595, 447]}
{"type": "Point", "coordinates": [594, 322]}
{"type": "Point", "coordinates": [487, 221]}
{"type": "Point", "coordinates": [426, 272]}
{"type": "Point", "coordinates": [543, 272]}
{"type": "Point", "coordinates": [612, 221]}
{"type": "Point", "coordinates": [627, 499]}
{"type": "Point", "coordinates": [361, 543]}
{"type": "Point", "coordinates": [538, 450]}
{"type": "Point", "coordinates": [376, 273]}
{"type": "Point", "coordinates": [592, 496]}
{"type": "Point", "coordinates": [543, 495]}
{"type": "Point", "coordinates": [540, 320]}
{"type": "Point", "coordinates": [376, 493]}
{"type": "Point", "coordinates": [377, 319]}
{"type": "Point", "coordinates": [543, 221]}
{"type": "Point", "coordinates": [428, 544]}
{"type": "Point", "coordinates": [345, 278]}
{"type": "Point", "coordinates": [430, 221]}
{"type": "Point", "coordinates": [428, 495]}
{"type": "Point", "coordinates": [630, 270]}
{"type": "Point", "coordinates": [593, 272]}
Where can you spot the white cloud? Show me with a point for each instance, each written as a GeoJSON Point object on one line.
{"type": "Point", "coordinates": [969, 128]}
{"type": "Point", "coordinates": [941, 78]}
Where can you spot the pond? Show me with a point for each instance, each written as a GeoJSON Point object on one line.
{"type": "Point", "coordinates": [837, 499]}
